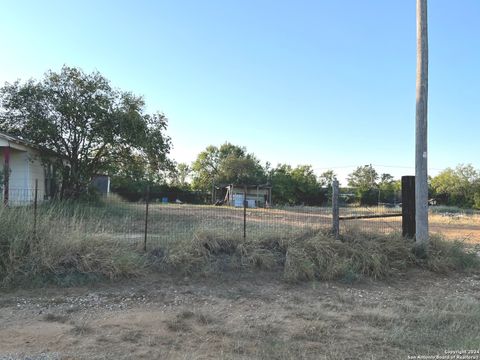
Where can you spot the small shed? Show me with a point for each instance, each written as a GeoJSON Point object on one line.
{"type": "Point", "coordinates": [255, 195]}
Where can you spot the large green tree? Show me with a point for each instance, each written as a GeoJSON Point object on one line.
{"type": "Point", "coordinates": [364, 180]}
{"type": "Point", "coordinates": [297, 185]}
{"type": "Point", "coordinates": [457, 186]}
{"type": "Point", "coordinates": [179, 175]}
{"type": "Point", "coordinates": [226, 164]}
{"type": "Point", "coordinates": [363, 177]}
{"type": "Point", "coordinates": [93, 126]}
{"type": "Point", "coordinates": [326, 178]}
{"type": "Point", "coordinates": [388, 189]}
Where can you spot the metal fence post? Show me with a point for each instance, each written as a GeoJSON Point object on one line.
{"type": "Point", "coordinates": [147, 200]}
{"type": "Point", "coordinates": [35, 204]}
{"type": "Point", "coordinates": [335, 210]}
{"type": "Point", "coordinates": [6, 175]}
{"type": "Point", "coordinates": [408, 206]}
{"type": "Point", "coordinates": [245, 213]}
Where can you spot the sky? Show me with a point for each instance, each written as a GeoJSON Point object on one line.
{"type": "Point", "coordinates": [325, 83]}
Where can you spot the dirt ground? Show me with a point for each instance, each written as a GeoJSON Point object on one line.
{"type": "Point", "coordinates": [243, 316]}
{"type": "Point", "coordinates": [454, 227]}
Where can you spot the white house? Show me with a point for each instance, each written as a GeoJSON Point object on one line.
{"type": "Point", "coordinates": [21, 166]}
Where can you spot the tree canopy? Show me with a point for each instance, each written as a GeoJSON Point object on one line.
{"type": "Point", "coordinates": [363, 177]}
{"type": "Point", "coordinates": [459, 186]}
{"type": "Point", "coordinates": [93, 126]}
{"type": "Point", "coordinates": [297, 185]}
{"type": "Point", "coordinates": [372, 188]}
{"type": "Point", "coordinates": [226, 164]}
{"type": "Point", "coordinates": [326, 178]}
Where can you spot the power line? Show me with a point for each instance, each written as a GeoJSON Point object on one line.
{"type": "Point", "coordinates": [374, 165]}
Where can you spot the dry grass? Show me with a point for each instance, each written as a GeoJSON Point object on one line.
{"type": "Point", "coordinates": [59, 249]}
{"type": "Point", "coordinates": [55, 318]}
{"type": "Point", "coordinates": [318, 256]}
{"type": "Point", "coordinates": [254, 316]}
{"type": "Point", "coordinates": [77, 243]}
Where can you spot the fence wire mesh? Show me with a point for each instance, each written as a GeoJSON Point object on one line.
{"type": "Point", "coordinates": [371, 219]}
{"type": "Point", "coordinates": [114, 219]}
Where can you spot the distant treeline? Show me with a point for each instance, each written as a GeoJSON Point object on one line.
{"type": "Point", "coordinates": [232, 164]}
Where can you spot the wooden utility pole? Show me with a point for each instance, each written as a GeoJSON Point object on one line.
{"type": "Point", "coordinates": [421, 174]}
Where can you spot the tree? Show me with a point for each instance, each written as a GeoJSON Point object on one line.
{"type": "Point", "coordinates": [457, 186]}
{"type": "Point", "coordinates": [326, 178]}
{"type": "Point", "coordinates": [363, 177]}
{"type": "Point", "coordinates": [227, 164]}
{"type": "Point", "coordinates": [283, 187]}
{"type": "Point", "coordinates": [387, 188]}
{"type": "Point", "coordinates": [88, 123]}
{"type": "Point", "coordinates": [296, 186]}
{"type": "Point", "coordinates": [421, 170]}
{"type": "Point", "coordinates": [364, 180]}
{"type": "Point", "coordinates": [179, 175]}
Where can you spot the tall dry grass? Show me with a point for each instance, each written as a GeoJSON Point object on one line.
{"type": "Point", "coordinates": [61, 249]}
{"type": "Point", "coordinates": [314, 255]}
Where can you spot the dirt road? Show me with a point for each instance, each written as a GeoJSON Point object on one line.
{"type": "Point", "coordinates": [241, 317]}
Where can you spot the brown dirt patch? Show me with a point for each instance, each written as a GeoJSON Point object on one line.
{"type": "Point", "coordinates": [230, 317]}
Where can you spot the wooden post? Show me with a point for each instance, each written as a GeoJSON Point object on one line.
{"type": "Point", "coordinates": [408, 206]}
{"type": "Point", "coordinates": [35, 204]}
{"type": "Point", "coordinates": [147, 200]}
{"type": "Point", "coordinates": [421, 172]}
{"type": "Point", "coordinates": [335, 209]}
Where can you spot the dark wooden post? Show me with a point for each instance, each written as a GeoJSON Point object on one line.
{"type": "Point", "coordinates": [147, 200]}
{"type": "Point", "coordinates": [335, 209]}
{"type": "Point", "coordinates": [408, 206]}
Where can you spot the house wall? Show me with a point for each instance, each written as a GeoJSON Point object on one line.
{"type": "Point", "coordinates": [25, 167]}
{"type": "Point", "coordinates": [37, 171]}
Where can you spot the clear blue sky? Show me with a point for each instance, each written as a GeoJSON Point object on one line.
{"type": "Point", "coordinates": [327, 83]}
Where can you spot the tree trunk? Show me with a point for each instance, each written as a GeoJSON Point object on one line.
{"type": "Point", "coordinates": [421, 173]}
